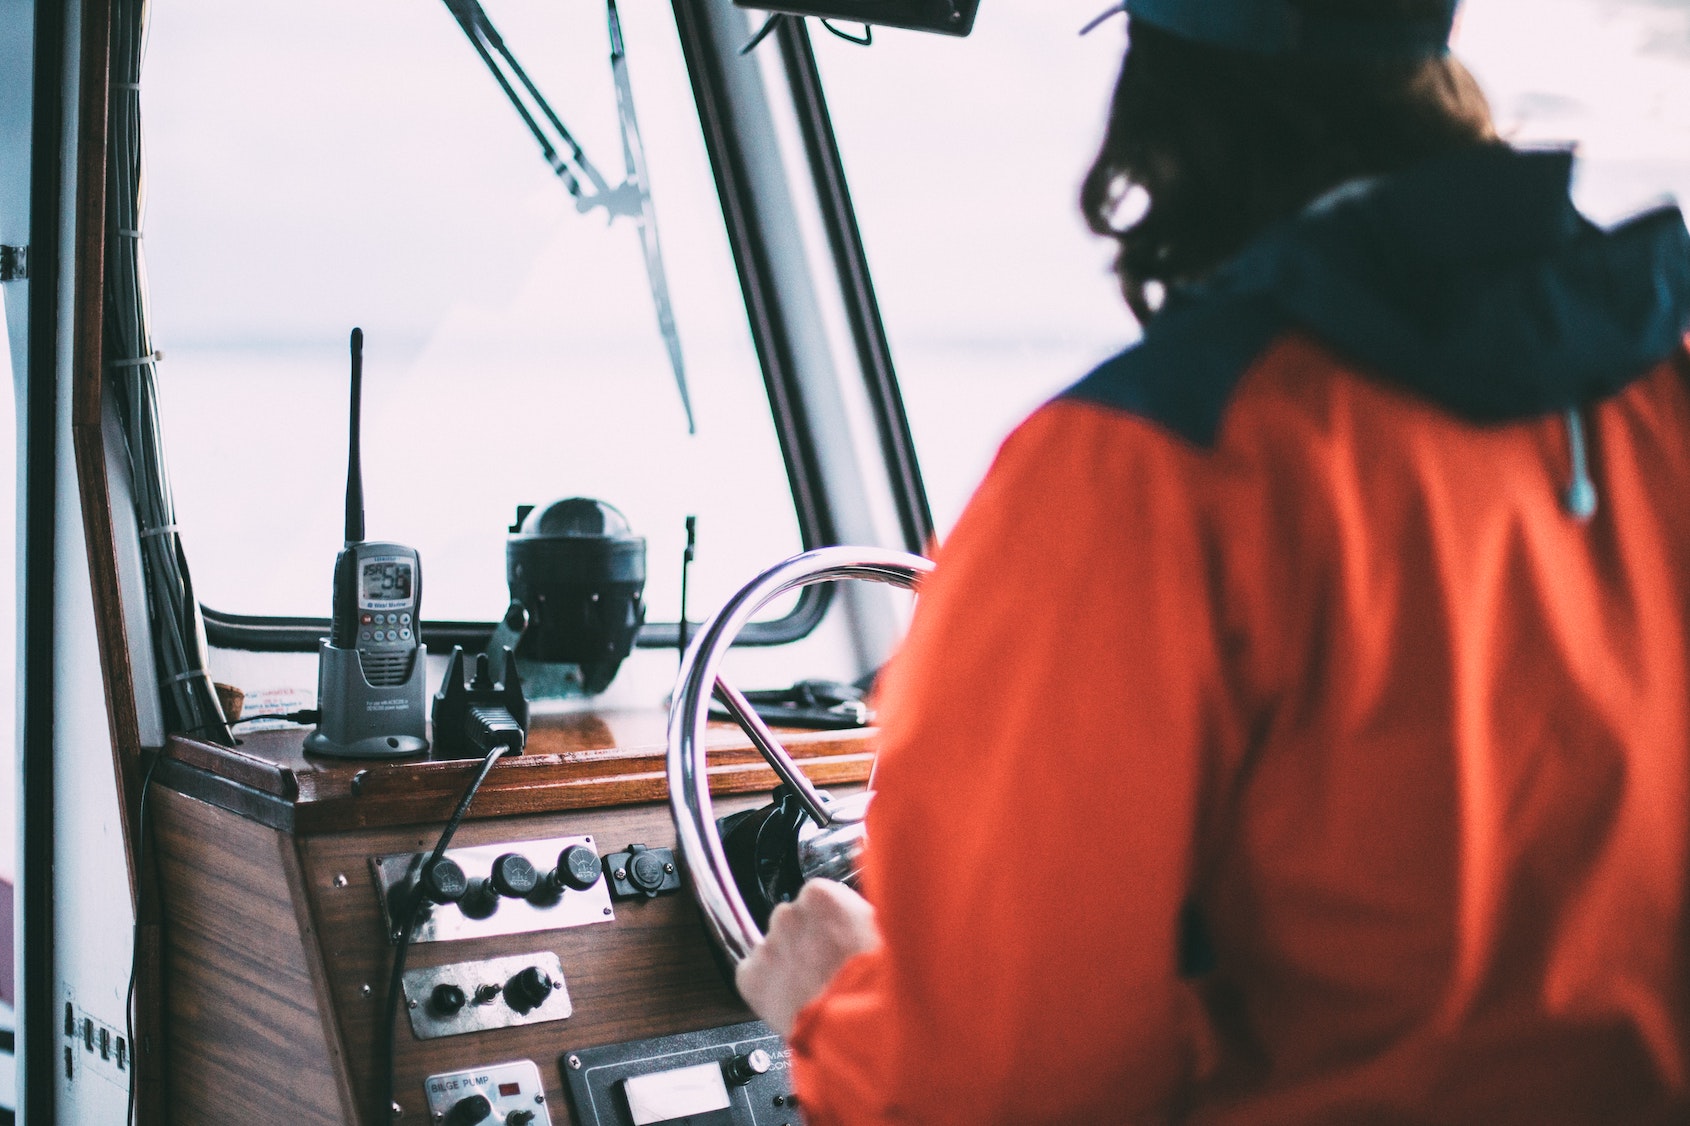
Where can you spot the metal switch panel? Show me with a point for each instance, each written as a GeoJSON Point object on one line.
{"type": "Point", "coordinates": [507, 1093]}
{"type": "Point", "coordinates": [494, 993]}
{"type": "Point", "coordinates": [554, 904]}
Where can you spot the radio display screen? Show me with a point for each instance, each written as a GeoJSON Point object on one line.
{"type": "Point", "coordinates": [387, 580]}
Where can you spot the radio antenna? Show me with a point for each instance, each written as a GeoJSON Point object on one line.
{"type": "Point", "coordinates": [354, 460]}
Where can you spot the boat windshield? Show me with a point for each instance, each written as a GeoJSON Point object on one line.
{"type": "Point", "coordinates": [318, 165]}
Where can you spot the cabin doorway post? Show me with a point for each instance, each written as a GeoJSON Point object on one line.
{"type": "Point", "coordinates": [32, 145]}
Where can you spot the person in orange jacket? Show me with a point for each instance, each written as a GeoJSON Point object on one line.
{"type": "Point", "coordinates": [1296, 728]}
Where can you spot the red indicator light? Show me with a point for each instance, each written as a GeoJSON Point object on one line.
{"type": "Point", "coordinates": [508, 1089]}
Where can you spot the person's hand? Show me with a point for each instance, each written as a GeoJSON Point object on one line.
{"type": "Point", "coordinates": [809, 939]}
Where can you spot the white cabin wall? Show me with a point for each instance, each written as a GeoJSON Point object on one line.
{"type": "Point", "coordinates": [9, 719]}
{"type": "Point", "coordinates": [17, 25]}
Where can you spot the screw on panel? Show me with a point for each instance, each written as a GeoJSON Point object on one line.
{"type": "Point", "coordinates": [398, 1111]}
{"type": "Point", "coordinates": [621, 873]}
{"type": "Point", "coordinates": [607, 910]}
{"type": "Point", "coordinates": [358, 781]}
{"type": "Point", "coordinates": [575, 1063]}
{"type": "Point", "coordinates": [669, 868]}
{"type": "Point", "coordinates": [539, 1098]}
{"type": "Point", "coordinates": [340, 880]}
{"type": "Point", "coordinates": [410, 1004]}
{"type": "Point", "coordinates": [365, 990]}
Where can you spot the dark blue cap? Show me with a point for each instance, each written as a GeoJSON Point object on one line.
{"type": "Point", "coordinates": [1276, 27]}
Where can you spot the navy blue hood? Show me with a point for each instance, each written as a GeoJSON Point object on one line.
{"type": "Point", "coordinates": [1471, 280]}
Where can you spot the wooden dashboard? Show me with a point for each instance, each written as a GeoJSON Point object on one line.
{"type": "Point", "coordinates": [275, 956]}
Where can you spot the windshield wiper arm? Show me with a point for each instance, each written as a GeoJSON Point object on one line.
{"type": "Point", "coordinates": [486, 40]}
{"type": "Point", "coordinates": [631, 198]}
{"type": "Point", "coordinates": [633, 156]}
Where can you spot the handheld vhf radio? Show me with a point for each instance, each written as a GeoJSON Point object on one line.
{"type": "Point", "coordinates": [372, 670]}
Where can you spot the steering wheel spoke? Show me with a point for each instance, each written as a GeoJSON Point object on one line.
{"type": "Point", "coordinates": [777, 756]}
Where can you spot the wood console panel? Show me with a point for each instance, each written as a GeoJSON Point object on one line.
{"type": "Point", "coordinates": [246, 1008]}
{"type": "Point", "coordinates": [573, 760]}
{"type": "Point", "coordinates": [276, 959]}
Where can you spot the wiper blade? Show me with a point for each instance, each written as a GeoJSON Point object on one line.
{"type": "Point", "coordinates": [633, 156]}
{"type": "Point", "coordinates": [568, 161]}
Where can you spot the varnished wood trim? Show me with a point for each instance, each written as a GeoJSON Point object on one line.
{"type": "Point", "coordinates": [225, 793]}
{"type": "Point", "coordinates": [236, 765]}
{"type": "Point", "coordinates": [358, 796]}
{"type": "Point", "coordinates": [88, 439]}
{"type": "Point", "coordinates": [89, 446]}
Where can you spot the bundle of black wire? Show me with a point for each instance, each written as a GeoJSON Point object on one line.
{"type": "Point", "coordinates": [402, 945]}
{"type": "Point", "coordinates": [131, 380]}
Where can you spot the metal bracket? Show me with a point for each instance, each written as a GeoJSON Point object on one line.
{"type": "Point", "coordinates": [479, 995]}
{"type": "Point", "coordinates": [550, 907]}
{"type": "Point", "coordinates": [14, 263]}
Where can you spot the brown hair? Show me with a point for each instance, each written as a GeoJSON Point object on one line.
{"type": "Point", "coordinates": [1223, 143]}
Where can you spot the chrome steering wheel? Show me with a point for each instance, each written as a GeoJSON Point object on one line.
{"type": "Point", "coordinates": [836, 832]}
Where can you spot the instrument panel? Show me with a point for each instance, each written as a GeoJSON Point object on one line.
{"type": "Point", "coordinates": [619, 974]}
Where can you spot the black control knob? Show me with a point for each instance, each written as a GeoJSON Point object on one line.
{"type": "Point", "coordinates": [528, 990]}
{"type": "Point", "coordinates": [578, 867]}
{"type": "Point", "coordinates": [467, 1112]}
{"type": "Point", "coordinates": [519, 1118]}
{"type": "Point", "coordinates": [443, 881]}
{"type": "Point", "coordinates": [514, 876]}
{"type": "Point", "coordinates": [645, 871]}
{"type": "Point", "coordinates": [446, 999]}
{"type": "Point", "coordinates": [743, 1068]}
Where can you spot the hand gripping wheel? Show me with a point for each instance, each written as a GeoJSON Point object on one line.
{"type": "Point", "coordinates": [705, 861]}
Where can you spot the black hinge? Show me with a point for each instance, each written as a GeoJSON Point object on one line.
{"type": "Point", "coordinates": [14, 263]}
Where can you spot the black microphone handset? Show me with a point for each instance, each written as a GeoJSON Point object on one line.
{"type": "Point", "coordinates": [372, 668]}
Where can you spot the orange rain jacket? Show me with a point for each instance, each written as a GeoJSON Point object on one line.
{"type": "Point", "coordinates": [1277, 741]}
